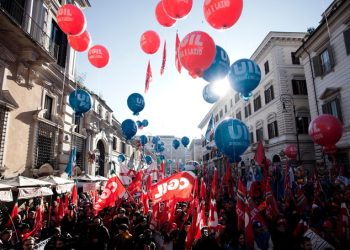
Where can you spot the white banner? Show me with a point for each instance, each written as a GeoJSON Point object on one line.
{"type": "Point", "coordinates": [64, 188]}
{"type": "Point", "coordinates": [31, 192]}
{"type": "Point", "coordinates": [6, 195]}
{"type": "Point", "coordinates": [318, 243]}
{"type": "Point", "coordinates": [89, 186]}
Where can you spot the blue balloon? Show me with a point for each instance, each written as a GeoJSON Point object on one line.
{"type": "Point", "coordinates": [80, 101]}
{"type": "Point", "coordinates": [232, 137]}
{"type": "Point", "coordinates": [159, 147]}
{"type": "Point", "coordinates": [139, 124]}
{"type": "Point", "coordinates": [209, 95]}
{"type": "Point", "coordinates": [185, 141]}
{"type": "Point", "coordinates": [129, 128]}
{"type": "Point", "coordinates": [148, 159]}
{"type": "Point", "coordinates": [176, 144]}
{"type": "Point", "coordinates": [136, 103]}
{"type": "Point", "coordinates": [145, 123]}
{"type": "Point", "coordinates": [121, 158]}
{"type": "Point", "coordinates": [219, 68]}
{"type": "Point", "coordinates": [143, 140]}
{"type": "Point", "coordinates": [161, 157]}
{"type": "Point", "coordinates": [155, 139]}
{"type": "Point", "coordinates": [244, 76]}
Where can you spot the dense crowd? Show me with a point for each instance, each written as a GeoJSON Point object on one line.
{"type": "Point", "coordinates": [302, 208]}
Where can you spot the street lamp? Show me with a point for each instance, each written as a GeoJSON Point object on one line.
{"type": "Point", "coordinates": [288, 99]}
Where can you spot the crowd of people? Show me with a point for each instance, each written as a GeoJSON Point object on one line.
{"type": "Point", "coordinates": [301, 214]}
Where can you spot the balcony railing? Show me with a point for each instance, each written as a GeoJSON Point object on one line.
{"type": "Point", "coordinates": [18, 15]}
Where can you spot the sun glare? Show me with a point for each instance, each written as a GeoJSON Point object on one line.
{"type": "Point", "coordinates": [221, 87]}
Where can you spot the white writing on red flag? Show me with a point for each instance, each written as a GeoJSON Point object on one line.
{"type": "Point", "coordinates": [113, 190]}
{"type": "Point", "coordinates": [177, 186]}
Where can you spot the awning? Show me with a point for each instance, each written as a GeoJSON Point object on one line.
{"type": "Point", "coordinates": [5, 193]}
{"type": "Point", "coordinates": [87, 177]}
{"type": "Point", "coordinates": [62, 185]}
{"type": "Point", "coordinates": [31, 192]}
{"type": "Point", "coordinates": [21, 181]}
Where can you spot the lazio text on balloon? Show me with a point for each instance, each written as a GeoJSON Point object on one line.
{"type": "Point", "coordinates": [217, 6]}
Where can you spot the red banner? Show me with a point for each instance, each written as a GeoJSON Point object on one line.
{"type": "Point", "coordinates": [113, 190]}
{"type": "Point", "coordinates": [178, 185]}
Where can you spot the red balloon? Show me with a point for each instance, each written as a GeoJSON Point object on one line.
{"type": "Point", "coordinates": [150, 42]}
{"type": "Point", "coordinates": [80, 42]}
{"type": "Point", "coordinates": [98, 56]}
{"type": "Point", "coordinates": [177, 8]}
{"type": "Point", "coordinates": [71, 19]}
{"type": "Point", "coordinates": [325, 130]}
{"type": "Point", "coordinates": [162, 17]}
{"type": "Point", "coordinates": [222, 14]}
{"type": "Point", "coordinates": [291, 151]}
{"type": "Point", "coordinates": [197, 52]}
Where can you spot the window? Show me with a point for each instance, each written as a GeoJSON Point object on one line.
{"type": "Point", "coordinates": [295, 60]}
{"type": "Point", "coordinates": [123, 149]}
{"type": "Point", "coordinates": [259, 134]}
{"type": "Point", "coordinates": [269, 95]}
{"type": "Point", "coordinates": [239, 115]}
{"type": "Point", "coordinates": [247, 110]}
{"type": "Point", "coordinates": [3, 123]}
{"type": "Point", "coordinates": [272, 129]}
{"type": "Point", "coordinates": [225, 108]}
{"type": "Point", "coordinates": [332, 107]}
{"type": "Point", "coordinates": [15, 9]}
{"type": "Point", "coordinates": [257, 103]}
{"type": "Point", "coordinates": [77, 123]}
{"type": "Point", "coordinates": [107, 116]}
{"type": "Point", "coordinates": [236, 97]}
{"type": "Point", "coordinates": [114, 143]}
{"type": "Point", "coordinates": [59, 38]}
{"type": "Point", "coordinates": [324, 62]}
{"type": "Point", "coordinates": [99, 110]}
{"type": "Point", "coordinates": [299, 87]}
{"type": "Point", "coordinates": [302, 125]}
{"type": "Point", "coordinates": [79, 143]}
{"type": "Point", "coordinates": [216, 117]}
{"type": "Point", "coordinates": [48, 106]}
{"type": "Point", "coordinates": [221, 114]}
{"type": "Point", "coordinates": [346, 35]}
{"type": "Point", "coordinates": [45, 145]}
{"type": "Point", "coordinates": [267, 68]}
{"type": "Point", "coordinates": [251, 137]}
{"type": "Point", "coordinates": [231, 103]}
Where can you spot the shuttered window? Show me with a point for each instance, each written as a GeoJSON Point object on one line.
{"type": "Point", "coordinates": [323, 63]}
{"type": "Point", "coordinates": [346, 34]}
{"type": "Point", "coordinates": [3, 123]}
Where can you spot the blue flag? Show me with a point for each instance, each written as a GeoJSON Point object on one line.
{"type": "Point", "coordinates": [72, 161]}
{"type": "Point", "coordinates": [210, 128]}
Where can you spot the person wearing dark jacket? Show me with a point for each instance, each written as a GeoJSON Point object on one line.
{"type": "Point", "coordinates": [205, 241]}
{"type": "Point", "coordinates": [98, 235]}
{"type": "Point", "coordinates": [123, 240]}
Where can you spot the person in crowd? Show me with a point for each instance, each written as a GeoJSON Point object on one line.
{"type": "Point", "coordinates": [28, 244]}
{"type": "Point", "coordinates": [306, 244]}
{"type": "Point", "coordinates": [30, 220]}
{"type": "Point", "coordinates": [281, 235]}
{"type": "Point", "coordinates": [262, 237]}
{"type": "Point", "coordinates": [6, 240]}
{"type": "Point", "coordinates": [146, 241]}
{"type": "Point", "coordinates": [98, 235]}
{"type": "Point", "coordinates": [119, 219]}
{"type": "Point", "coordinates": [123, 240]}
{"type": "Point", "coordinates": [241, 244]}
{"type": "Point", "coordinates": [205, 241]}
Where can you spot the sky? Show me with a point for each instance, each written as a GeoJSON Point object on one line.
{"type": "Point", "coordinates": [174, 104]}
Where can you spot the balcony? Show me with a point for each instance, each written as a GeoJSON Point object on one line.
{"type": "Point", "coordinates": [19, 31]}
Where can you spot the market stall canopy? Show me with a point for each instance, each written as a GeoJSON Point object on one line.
{"type": "Point", "coordinates": [101, 178]}
{"type": "Point", "coordinates": [62, 185]}
{"type": "Point", "coordinates": [87, 177]}
{"type": "Point", "coordinates": [6, 193]}
{"type": "Point", "coordinates": [29, 187]}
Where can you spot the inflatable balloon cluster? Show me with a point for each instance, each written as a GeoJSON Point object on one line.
{"type": "Point", "coordinates": [232, 138]}
{"type": "Point", "coordinates": [80, 101]}
{"type": "Point", "coordinates": [326, 130]}
{"type": "Point", "coordinates": [142, 124]}
{"type": "Point", "coordinates": [244, 77]}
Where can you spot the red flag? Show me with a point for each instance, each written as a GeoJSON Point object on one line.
{"type": "Point", "coordinates": [343, 225]}
{"type": "Point", "coordinates": [113, 190]}
{"type": "Point", "coordinates": [136, 184]}
{"type": "Point", "coordinates": [148, 183]}
{"type": "Point", "coordinates": [240, 206]}
{"type": "Point", "coordinates": [301, 200]}
{"type": "Point", "coordinates": [38, 221]}
{"type": "Point", "coordinates": [213, 220]}
{"type": "Point", "coordinates": [154, 222]}
{"type": "Point", "coordinates": [14, 213]}
{"type": "Point", "coordinates": [214, 184]}
{"type": "Point", "coordinates": [162, 170]}
{"type": "Point", "coordinates": [144, 199]}
{"type": "Point", "coordinates": [177, 60]}
{"type": "Point", "coordinates": [260, 158]}
{"type": "Point", "coordinates": [178, 185]}
{"type": "Point", "coordinates": [202, 190]}
{"type": "Point", "coordinates": [194, 207]}
{"type": "Point", "coordinates": [317, 187]}
{"type": "Point", "coordinates": [60, 214]}
{"type": "Point", "coordinates": [287, 185]}
{"type": "Point", "coordinates": [248, 226]}
{"type": "Point", "coordinates": [148, 76]}
{"type": "Point", "coordinates": [201, 220]}
{"type": "Point", "coordinates": [271, 204]}
{"type": "Point", "coordinates": [163, 59]}
{"type": "Point", "coordinates": [75, 196]}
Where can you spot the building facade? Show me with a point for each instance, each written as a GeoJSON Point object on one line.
{"type": "Point", "coordinates": [325, 56]}
{"type": "Point", "coordinates": [278, 112]}
{"type": "Point", "coordinates": [195, 150]}
{"type": "Point", "coordinates": [37, 73]}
